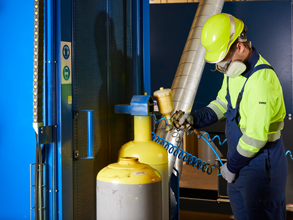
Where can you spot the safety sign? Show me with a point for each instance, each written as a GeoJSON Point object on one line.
{"type": "Point", "coordinates": [66, 73]}
{"type": "Point", "coordinates": [66, 51]}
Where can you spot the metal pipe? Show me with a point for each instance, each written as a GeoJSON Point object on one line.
{"type": "Point", "coordinates": [188, 75]}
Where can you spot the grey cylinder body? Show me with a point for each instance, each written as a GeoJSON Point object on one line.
{"type": "Point", "coordinates": [129, 201]}
{"type": "Point", "coordinates": [188, 75]}
{"type": "Point", "coordinates": [205, 152]}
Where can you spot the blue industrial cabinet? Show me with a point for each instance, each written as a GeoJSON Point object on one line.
{"type": "Point", "coordinates": [108, 43]}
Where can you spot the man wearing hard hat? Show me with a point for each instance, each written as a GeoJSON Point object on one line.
{"type": "Point", "coordinates": [251, 100]}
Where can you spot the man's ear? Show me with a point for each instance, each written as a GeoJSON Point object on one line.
{"type": "Point", "coordinates": [240, 47]}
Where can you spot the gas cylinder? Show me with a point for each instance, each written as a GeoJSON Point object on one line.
{"type": "Point", "coordinates": [129, 190]}
{"type": "Point", "coordinates": [149, 152]}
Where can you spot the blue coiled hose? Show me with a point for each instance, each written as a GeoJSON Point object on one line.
{"type": "Point", "coordinates": [289, 152]}
{"type": "Point", "coordinates": [187, 157]}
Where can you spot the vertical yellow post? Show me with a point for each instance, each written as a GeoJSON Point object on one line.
{"type": "Point", "coordinates": [142, 128]}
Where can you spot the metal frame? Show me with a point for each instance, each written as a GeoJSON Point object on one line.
{"type": "Point", "coordinates": [57, 114]}
{"type": "Point", "coordinates": [64, 119]}
{"type": "Point", "coordinates": [49, 150]}
{"type": "Point", "coordinates": [141, 47]}
{"type": "Point", "coordinates": [292, 50]}
{"type": "Point", "coordinates": [145, 6]}
{"type": "Point", "coordinates": [136, 49]}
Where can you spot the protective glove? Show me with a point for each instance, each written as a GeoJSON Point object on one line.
{"type": "Point", "coordinates": [182, 121]}
{"type": "Point", "coordinates": [186, 119]}
{"type": "Point", "coordinates": [227, 175]}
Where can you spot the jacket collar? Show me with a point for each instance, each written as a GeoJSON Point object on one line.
{"type": "Point", "coordinates": [250, 63]}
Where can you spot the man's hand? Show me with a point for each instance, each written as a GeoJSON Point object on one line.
{"type": "Point", "coordinates": [182, 121]}
{"type": "Point", "coordinates": [227, 175]}
{"type": "Point", "coordinates": [186, 119]}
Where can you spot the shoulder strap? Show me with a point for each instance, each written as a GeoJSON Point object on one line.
{"type": "Point", "coordinates": [257, 68]}
{"type": "Point", "coordinates": [260, 67]}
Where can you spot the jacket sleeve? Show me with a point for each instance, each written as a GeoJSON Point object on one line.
{"type": "Point", "coordinates": [204, 117]}
{"type": "Point", "coordinates": [214, 111]}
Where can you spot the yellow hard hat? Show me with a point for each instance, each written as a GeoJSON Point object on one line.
{"type": "Point", "coordinates": [218, 34]}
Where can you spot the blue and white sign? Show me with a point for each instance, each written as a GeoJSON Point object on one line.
{"type": "Point", "coordinates": [66, 72]}
{"type": "Point", "coordinates": [66, 52]}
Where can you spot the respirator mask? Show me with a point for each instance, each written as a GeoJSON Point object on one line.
{"type": "Point", "coordinates": [231, 69]}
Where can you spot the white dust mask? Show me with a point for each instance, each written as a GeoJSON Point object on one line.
{"type": "Point", "coordinates": [235, 69]}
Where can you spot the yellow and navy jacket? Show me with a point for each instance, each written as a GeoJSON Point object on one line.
{"type": "Point", "coordinates": [262, 110]}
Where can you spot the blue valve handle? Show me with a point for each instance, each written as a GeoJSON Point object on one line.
{"type": "Point", "coordinates": [90, 134]}
{"type": "Point", "coordinates": [90, 154]}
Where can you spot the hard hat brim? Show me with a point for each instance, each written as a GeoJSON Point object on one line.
{"type": "Point", "coordinates": [215, 57]}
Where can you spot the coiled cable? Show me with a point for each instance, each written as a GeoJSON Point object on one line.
{"type": "Point", "coordinates": [289, 152]}
{"type": "Point", "coordinates": [187, 157]}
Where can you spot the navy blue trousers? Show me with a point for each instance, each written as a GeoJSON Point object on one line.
{"type": "Point", "coordinates": [259, 190]}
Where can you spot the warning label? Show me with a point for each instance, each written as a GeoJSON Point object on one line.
{"type": "Point", "coordinates": [66, 63]}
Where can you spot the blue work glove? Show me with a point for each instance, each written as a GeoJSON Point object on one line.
{"type": "Point", "coordinates": [227, 175]}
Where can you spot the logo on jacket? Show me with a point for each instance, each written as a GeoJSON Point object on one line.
{"type": "Point", "coordinates": [262, 103]}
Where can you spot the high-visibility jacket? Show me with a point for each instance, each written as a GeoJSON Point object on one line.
{"type": "Point", "coordinates": [262, 108]}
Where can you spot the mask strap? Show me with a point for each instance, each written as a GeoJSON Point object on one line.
{"type": "Point", "coordinates": [241, 40]}
{"type": "Point", "coordinates": [241, 36]}
{"type": "Point", "coordinates": [223, 69]}
{"type": "Point", "coordinates": [230, 59]}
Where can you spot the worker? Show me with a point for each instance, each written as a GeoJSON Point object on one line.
{"type": "Point", "coordinates": [251, 100]}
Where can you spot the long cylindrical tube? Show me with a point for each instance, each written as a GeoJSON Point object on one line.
{"type": "Point", "coordinates": [188, 75]}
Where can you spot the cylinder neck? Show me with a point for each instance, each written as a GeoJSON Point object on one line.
{"type": "Point", "coordinates": [128, 160]}
{"type": "Point", "coordinates": [142, 128]}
